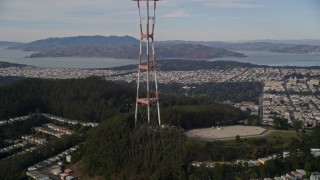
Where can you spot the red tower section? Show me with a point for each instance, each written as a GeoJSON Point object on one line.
{"type": "Point", "coordinates": [147, 100]}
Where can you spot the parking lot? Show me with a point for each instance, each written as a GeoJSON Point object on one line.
{"type": "Point", "coordinates": [226, 132]}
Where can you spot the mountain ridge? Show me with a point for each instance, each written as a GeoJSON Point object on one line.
{"type": "Point", "coordinates": [126, 47]}
{"type": "Point", "coordinates": [76, 40]}
{"type": "Point", "coordinates": [185, 51]}
{"type": "Point", "coordinates": [123, 47]}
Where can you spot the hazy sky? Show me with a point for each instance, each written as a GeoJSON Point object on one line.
{"type": "Point", "coordinates": [213, 20]}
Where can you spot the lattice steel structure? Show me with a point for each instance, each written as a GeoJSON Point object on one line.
{"type": "Point", "coordinates": [147, 100]}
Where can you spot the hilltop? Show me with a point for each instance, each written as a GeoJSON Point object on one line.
{"type": "Point", "coordinates": [8, 43]}
{"type": "Point", "coordinates": [74, 41]}
{"type": "Point", "coordinates": [124, 47]}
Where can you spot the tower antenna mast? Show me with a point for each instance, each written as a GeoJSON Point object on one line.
{"type": "Point", "coordinates": [147, 99]}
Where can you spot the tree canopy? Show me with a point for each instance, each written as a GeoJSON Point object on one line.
{"type": "Point", "coordinates": [90, 99]}
{"type": "Point", "coordinates": [116, 149]}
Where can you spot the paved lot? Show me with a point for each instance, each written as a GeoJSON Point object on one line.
{"type": "Point", "coordinates": [226, 132]}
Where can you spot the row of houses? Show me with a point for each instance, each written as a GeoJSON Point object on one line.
{"type": "Point", "coordinates": [30, 149]}
{"type": "Point", "coordinates": [34, 140]}
{"type": "Point", "coordinates": [293, 175]}
{"type": "Point", "coordinates": [69, 121]}
{"type": "Point", "coordinates": [250, 163]}
{"type": "Point", "coordinates": [54, 130]}
{"type": "Point", "coordinates": [49, 131]}
{"type": "Point", "coordinates": [12, 120]}
{"type": "Point", "coordinates": [35, 171]}
{"type": "Point", "coordinates": [37, 175]}
{"type": "Point", "coordinates": [13, 147]}
{"type": "Point", "coordinates": [265, 159]}
{"type": "Point", "coordinates": [52, 117]}
{"type": "Point", "coordinates": [59, 128]}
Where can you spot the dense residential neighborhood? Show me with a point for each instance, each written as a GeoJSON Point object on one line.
{"type": "Point", "coordinates": [292, 99]}
{"type": "Point", "coordinates": [232, 74]}
{"type": "Point", "coordinates": [289, 93]}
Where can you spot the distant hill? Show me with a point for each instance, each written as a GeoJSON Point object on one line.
{"type": "Point", "coordinates": [270, 45]}
{"type": "Point", "coordinates": [224, 44]}
{"type": "Point", "coordinates": [59, 46]}
{"type": "Point", "coordinates": [300, 49]}
{"type": "Point", "coordinates": [76, 41]}
{"type": "Point", "coordinates": [194, 51]}
{"type": "Point", "coordinates": [293, 42]}
{"type": "Point", "coordinates": [7, 64]}
{"type": "Point", "coordinates": [8, 44]}
{"type": "Point", "coordinates": [182, 51]}
{"type": "Point", "coordinates": [124, 47]}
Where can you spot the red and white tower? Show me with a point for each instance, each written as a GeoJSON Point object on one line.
{"type": "Point", "coordinates": [147, 100]}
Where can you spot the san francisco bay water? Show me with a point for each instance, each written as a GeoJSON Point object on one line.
{"type": "Point", "coordinates": [18, 56]}
{"type": "Point", "coordinates": [254, 57]}
{"type": "Point", "coordinates": [277, 59]}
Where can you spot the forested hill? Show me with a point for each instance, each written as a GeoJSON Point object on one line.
{"type": "Point", "coordinates": [90, 99]}
{"type": "Point", "coordinates": [116, 150]}
{"type": "Point", "coordinates": [187, 65]}
{"type": "Point", "coordinates": [95, 100]}
{"type": "Point", "coordinates": [157, 152]}
{"type": "Point", "coordinates": [124, 47]}
{"type": "Point", "coordinates": [192, 65]}
{"type": "Point", "coordinates": [220, 92]}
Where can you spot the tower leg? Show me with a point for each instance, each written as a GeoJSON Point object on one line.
{"type": "Point", "coordinates": [138, 87]}
{"type": "Point", "coordinates": [158, 107]}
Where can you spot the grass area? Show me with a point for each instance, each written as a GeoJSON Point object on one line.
{"type": "Point", "coordinates": [281, 138]}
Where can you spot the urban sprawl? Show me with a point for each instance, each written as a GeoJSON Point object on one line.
{"type": "Point", "coordinates": [292, 98]}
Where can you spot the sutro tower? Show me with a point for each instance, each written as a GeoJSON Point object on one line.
{"type": "Point", "coordinates": [147, 100]}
